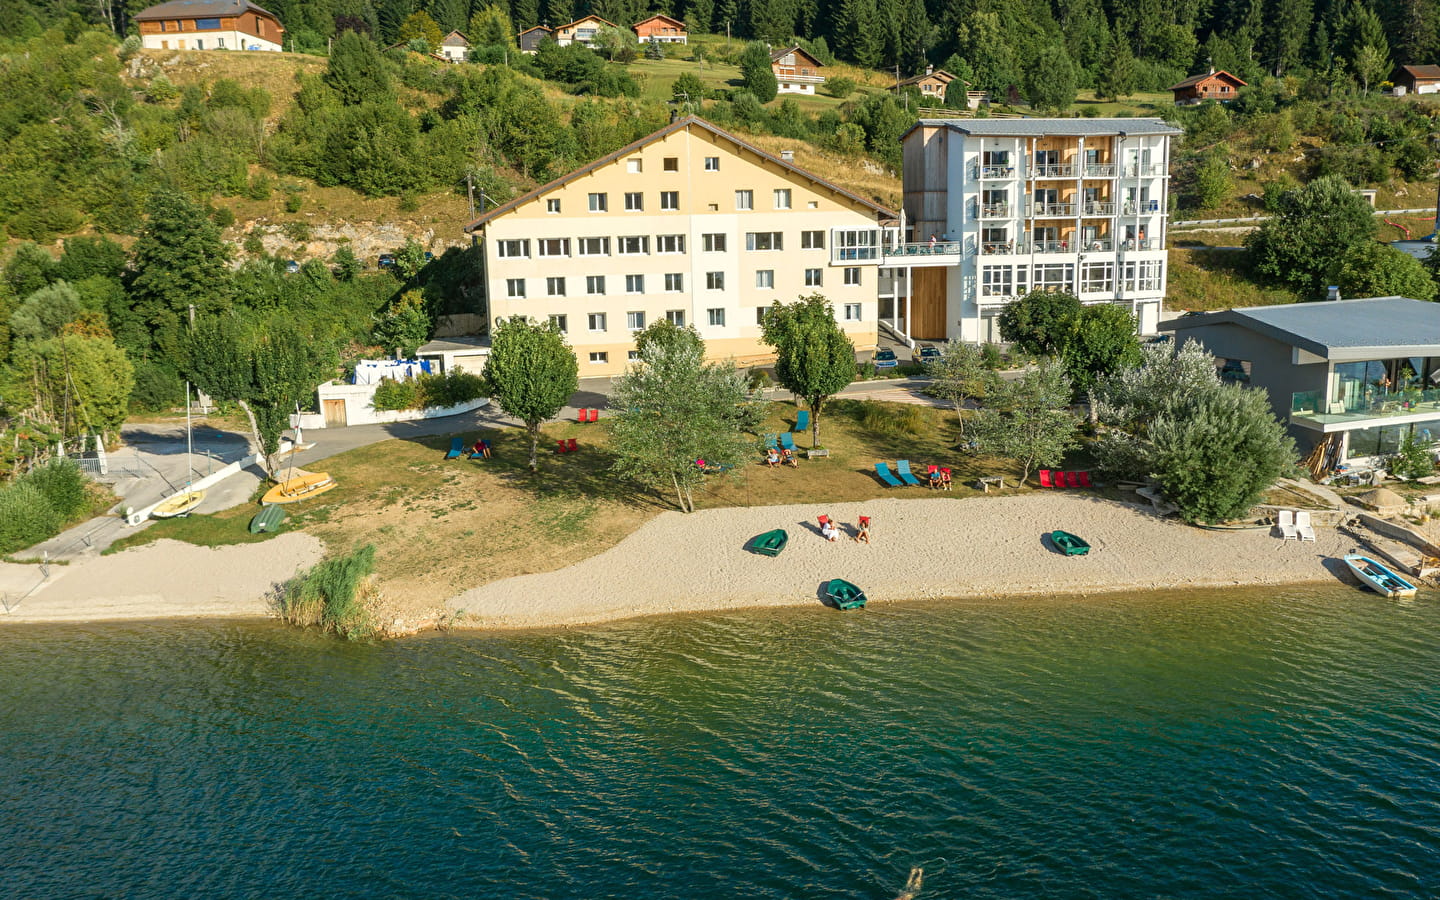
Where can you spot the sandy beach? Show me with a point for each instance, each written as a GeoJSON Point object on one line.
{"type": "Point", "coordinates": [930, 548]}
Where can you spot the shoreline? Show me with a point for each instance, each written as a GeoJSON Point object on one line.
{"type": "Point", "coordinates": [923, 549]}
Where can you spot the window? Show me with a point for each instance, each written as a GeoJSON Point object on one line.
{"type": "Point", "coordinates": [764, 240]}
{"type": "Point", "coordinates": [220, 42]}
{"type": "Point", "coordinates": [1097, 277]}
{"type": "Point", "coordinates": [670, 243]}
{"type": "Point", "coordinates": [760, 315]}
{"type": "Point", "coordinates": [852, 312]}
{"type": "Point", "coordinates": [857, 244]}
{"type": "Point", "coordinates": [814, 277]}
{"type": "Point", "coordinates": [561, 323]}
{"type": "Point", "coordinates": [997, 281]}
{"type": "Point", "coordinates": [594, 284]}
{"type": "Point", "coordinates": [594, 246]}
{"type": "Point", "coordinates": [635, 321]}
{"type": "Point", "coordinates": [634, 201]}
{"type": "Point", "coordinates": [812, 240]}
{"type": "Point", "coordinates": [515, 288]}
{"type": "Point", "coordinates": [513, 249]}
{"type": "Point", "coordinates": [671, 164]}
{"type": "Point", "coordinates": [207, 24]}
{"type": "Point", "coordinates": [1055, 277]}
{"type": "Point", "coordinates": [852, 275]}
{"type": "Point", "coordinates": [634, 284]}
{"type": "Point", "coordinates": [597, 321]}
{"type": "Point", "coordinates": [782, 198]}
{"type": "Point", "coordinates": [1143, 276]}
{"type": "Point", "coordinates": [634, 244]}
{"type": "Point", "coordinates": [599, 202]}
{"type": "Point", "coordinates": [552, 205]}
{"type": "Point", "coordinates": [554, 246]}
{"type": "Point", "coordinates": [675, 317]}
{"type": "Point", "coordinates": [744, 199]}
{"type": "Point", "coordinates": [764, 278]}
{"type": "Point", "coordinates": [716, 316]}
{"type": "Point", "coordinates": [713, 243]}
{"type": "Point", "coordinates": [555, 286]}
{"type": "Point", "coordinates": [674, 282]}
{"type": "Point", "coordinates": [670, 200]}
{"type": "Point", "coordinates": [633, 166]}
{"type": "Point", "coordinates": [632, 355]}
{"type": "Point", "coordinates": [599, 356]}
{"type": "Point", "coordinates": [712, 163]}
{"type": "Point", "coordinates": [714, 281]}
{"type": "Point", "coordinates": [813, 204]}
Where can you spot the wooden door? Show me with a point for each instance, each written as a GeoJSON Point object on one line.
{"type": "Point", "coordinates": [335, 414]}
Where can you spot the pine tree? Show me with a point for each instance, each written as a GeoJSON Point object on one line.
{"type": "Point", "coordinates": [357, 72]}
{"type": "Point", "coordinates": [178, 263]}
{"type": "Point", "coordinates": [859, 37]}
{"type": "Point", "coordinates": [1289, 25]}
{"type": "Point", "coordinates": [699, 14]}
{"type": "Point", "coordinates": [1117, 74]}
{"type": "Point", "coordinates": [773, 21]}
{"type": "Point", "coordinates": [450, 15]}
{"type": "Point", "coordinates": [525, 14]}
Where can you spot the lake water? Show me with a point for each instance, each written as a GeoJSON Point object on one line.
{"type": "Point", "coordinates": [1218, 744]}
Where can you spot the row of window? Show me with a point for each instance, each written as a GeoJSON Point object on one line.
{"type": "Point", "coordinates": [597, 322]}
{"type": "Point", "coordinates": [599, 202]}
{"type": "Point", "coordinates": [636, 165]}
{"type": "Point", "coordinates": [1095, 277]}
{"type": "Point", "coordinates": [639, 244]}
{"type": "Point", "coordinates": [596, 285]}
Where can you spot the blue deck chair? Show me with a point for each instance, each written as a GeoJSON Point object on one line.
{"type": "Point", "coordinates": [884, 472]}
{"type": "Point", "coordinates": [457, 447]}
{"type": "Point", "coordinates": [770, 441]}
{"type": "Point", "coordinates": [903, 467]}
{"type": "Point", "coordinates": [802, 420]}
{"type": "Point", "coordinates": [787, 441]}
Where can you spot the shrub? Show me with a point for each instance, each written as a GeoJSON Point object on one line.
{"type": "Point", "coordinates": [260, 187]}
{"type": "Point", "coordinates": [990, 356]}
{"type": "Point", "coordinates": [428, 391]}
{"type": "Point", "coordinates": [223, 216]}
{"type": "Point", "coordinates": [329, 595]}
{"type": "Point", "coordinates": [294, 203]}
{"type": "Point", "coordinates": [253, 245]}
{"type": "Point", "coordinates": [393, 395]}
{"type": "Point", "coordinates": [840, 87]}
{"type": "Point", "coordinates": [299, 232]}
{"type": "Point", "coordinates": [26, 517]}
{"type": "Point", "coordinates": [157, 387]}
{"type": "Point", "coordinates": [895, 421]}
{"type": "Point", "coordinates": [63, 485]}
{"type": "Point", "coordinates": [1412, 460]}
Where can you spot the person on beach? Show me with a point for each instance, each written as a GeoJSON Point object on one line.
{"type": "Point", "coordinates": [788, 458]}
{"type": "Point", "coordinates": [934, 479]}
{"type": "Point", "coordinates": [863, 533]}
{"type": "Point", "coordinates": [945, 479]}
{"type": "Point", "coordinates": [829, 531]}
{"type": "Point", "coordinates": [772, 457]}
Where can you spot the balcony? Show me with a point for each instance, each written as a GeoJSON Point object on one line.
{"type": "Point", "coordinates": [800, 79]}
{"type": "Point", "coordinates": [1149, 171]}
{"type": "Point", "coordinates": [924, 253]}
{"type": "Point", "coordinates": [995, 211]}
{"type": "Point", "coordinates": [1063, 170]}
{"type": "Point", "coordinates": [1105, 170]}
{"type": "Point", "coordinates": [1414, 405]}
{"type": "Point", "coordinates": [1052, 247]}
{"type": "Point", "coordinates": [1103, 208]}
{"type": "Point", "coordinates": [997, 172]}
{"type": "Point", "coordinates": [1053, 210]}
{"type": "Point", "coordinates": [1004, 248]}
{"type": "Point", "coordinates": [1143, 208]}
{"type": "Point", "coordinates": [1141, 244]}
{"type": "Point", "coordinates": [1098, 245]}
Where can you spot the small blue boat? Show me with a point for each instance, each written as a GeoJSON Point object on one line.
{"type": "Point", "coordinates": [1377, 577]}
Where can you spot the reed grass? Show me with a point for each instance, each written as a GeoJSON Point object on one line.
{"type": "Point", "coordinates": [333, 595]}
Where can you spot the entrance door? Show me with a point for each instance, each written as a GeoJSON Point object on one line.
{"type": "Point", "coordinates": [334, 413]}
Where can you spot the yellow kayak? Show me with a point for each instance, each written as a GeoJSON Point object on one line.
{"type": "Point", "coordinates": [178, 504]}
{"type": "Point", "coordinates": [301, 487]}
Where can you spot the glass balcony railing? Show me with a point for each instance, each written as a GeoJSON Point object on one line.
{"type": "Point", "coordinates": [1053, 171]}
{"type": "Point", "coordinates": [1052, 210]}
{"type": "Point", "coordinates": [1003, 248]}
{"type": "Point", "coordinates": [1093, 170]}
{"type": "Point", "coordinates": [995, 211]}
{"type": "Point", "coordinates": [1000, 172]}
{"type": "Point", "coordinates": [1309, 406]}
{"type": "Point", "coordinates": [1103, 208]}
{"type": "Point", "coordinates": [1052, 246]}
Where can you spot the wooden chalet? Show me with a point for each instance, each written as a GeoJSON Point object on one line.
{"type": "Point", "coordinates": [661, 29]}
{"type": "Point", "coordinates": [529, 39]}
{"type": "Point", "coordinates": [1417, 79]}
{"type": "Point", "coordinates": [796, 72]}
{"type": "Point", "coordinates": [1211, 85]}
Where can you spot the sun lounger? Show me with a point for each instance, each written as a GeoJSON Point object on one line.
{"type": "Point", "coordinates": [902, 468]}
{"type": "Point", "coordinates": [1045, 478]}
{"type": "Point", "coordinates": [771, 440]}
{"type": "Point", "coordinates": [1303, 529]}
{"type": "Point", "coordinates": [802, 420]}
{"type": "Point", "coordinates": [787, 441]}
{"type": "Point", "coordinates": [1285, 521]}
{"type": "Point", "coordinates": [457, 447]}
{"type": "Point", "coordinates": [883, 471]}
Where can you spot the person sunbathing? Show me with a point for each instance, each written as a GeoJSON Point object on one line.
{"type": "Point", "coordinates": [787, 457]}
{"type": "Point", "coordinates": [945, 479]}
{"type": "Point", "coordinates": [934, 479]}
{"type": "Point", "coordinates": [863, 534]}
{"type": "Point", "coordinates": [772, 458]}
{"type": "Point", "coordinates": [829, 531]}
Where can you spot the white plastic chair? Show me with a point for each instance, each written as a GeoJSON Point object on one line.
{"type": "Point", "coordinates": [1285, 521]}
{"type": "Point", "coordinates": [1303, 529]}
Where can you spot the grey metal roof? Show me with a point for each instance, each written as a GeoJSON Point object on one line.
{"type": "Point", "coordinates": [1040, 127]}
{"type": "Point", "coordinates": [185, 9]}
{"type": "Point", "coordinates": [1338, 330]}
{"type": "Point", "coordinates": [454, 345]}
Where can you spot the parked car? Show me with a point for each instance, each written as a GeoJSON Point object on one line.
{"type": "Point", "coordinates": [292, 266]}
{"type": "Point", "coordinates": [929, 353]}
{"type": "Point", "coordinates": [429, 257]}
{"type": "Point", "coordinates": [885, 358]}
{"type": "Point", "coordinates": [386, 261]}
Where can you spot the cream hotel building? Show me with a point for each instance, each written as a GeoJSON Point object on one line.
{"type": "Point", "coordinates": [689, 224]}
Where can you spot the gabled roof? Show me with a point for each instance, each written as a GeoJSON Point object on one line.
{"type": "Point", "coordinates": [775, 57]}
{"type": "Point", "coordinates": [545, 28]}
{"type": "Point", "coordinates": [459, 41]}
{"type": "Point", "coordinates": [943, 76]}
{"type": "Point", "coordinates": [187, 9]}
{"type": "Point", "coordinates": [671, 20]}
{"type": "Point", "coordinates": [687, 122]}
{"type": "Point", "coordinates": [1422, 71]}
{"type": "Point", "coordinates": [1043, 127]}
{"type": "Point", "coordinates": [1196, 79]}
{"type": "Point", "coordinates": [1338, 329]}
{"type": "Point", "coordinates": [584, 19]}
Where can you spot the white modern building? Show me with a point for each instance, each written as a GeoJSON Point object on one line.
{"type": "Point", "coordinates": [996, 208]}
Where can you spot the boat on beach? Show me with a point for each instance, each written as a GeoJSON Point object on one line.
{"type": "Point", "coordinates": [844, 594]}
{"type": "Point", "coordinates": [771, 542]}
{"type": "Point", "coordinates": [267, 520]}
{"type": "Point", "coordinates": [178, 504]}
{"type": "Point", "coordinates": [300, 487]}
{"type": "Point", "coordinates": [1069, 544]}
{"type": "Point", "coordinates": [1378, 577]}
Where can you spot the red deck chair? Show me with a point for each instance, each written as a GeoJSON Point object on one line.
{"type": "Point", "coordinates": [822, 520]}
{"type": "Point", "coordinates": [1085, 479]}
{"type": "Point", "coordinates": [594, 415]}
{"type": "Point", "coordinates": [572, 445]}
{"type": "Point", "coordinates": [560, 445]}
{"type": "Point", "coordinates": [1072, 479]}
{"type": "Point", "coordinates": [1045, 478]}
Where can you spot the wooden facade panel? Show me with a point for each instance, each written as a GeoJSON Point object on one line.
{"type": "Point", "coordinates": [927, 303]}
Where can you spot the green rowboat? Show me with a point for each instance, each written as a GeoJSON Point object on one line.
{"type": "Point", "coordinates": [1070, 544]}
{"type": "Point", "coordinates": [268, 519]}
{"type": "Point", "coordinates": [771, 542]}
{"type": "Point", "coordinates": [844, 594]}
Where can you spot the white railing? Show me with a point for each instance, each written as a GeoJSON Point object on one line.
{"type": "Point", "coordinates": [997, 171]}
{"type": "Point", "coordinates": [1144, 171]}
{"type": "Point", "coordinates": [923, 248]}
{"type": "Point", "coordinates": [995, 210]}
{"type": "Point", "coordinates": [1100, 209]}
{"type": "Point", "coordinates": [1003, 248]}
{"type": "Point", "coordinates": [801, 79]}
{"type": "Point", "coordinates": [1142, 208]}
{"type": "Point", "coordinates": [1052, 246]}
{"type": "Point", "coordinates": [1063, 170]}
{"type": "Point", "coordinates": [1052, 210]}
{"type": "Point", "coordinates": [1105, 170]}
{"type": "Point", "coordinates": [1141, 244]}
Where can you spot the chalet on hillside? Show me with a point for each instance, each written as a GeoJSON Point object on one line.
{"type": "Point", "coordinates": [529, 39]}
{"type": "Point", "coordinates": [1212, 85]}
{"type": "Point", "coordinates": [796, 72]}
{"type": "Point", "coordinates": [209, 25]}
{"type": "Point", "coordinates": [932, 85]}
{"type": "Point", "coordinates": [1417, 79]}
{"type": "Point", "coordinates": [581, 31]}
{"type": "Point", "coordinates": [454, 47]}
{"type": "Point", "coordinates": [660, 29]}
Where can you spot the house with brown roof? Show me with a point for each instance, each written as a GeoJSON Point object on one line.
{"type": "Point", "coordinates": [796, 72]}
{"type": "Point", "coordinates": [1211, 85]}
{"type": "Point", "coordinates": [529, 39]}
{"type": "Point", "coordinates": [581, 31]}
{"type": "Point", "coordinates": [454, 47]}
{"type": "Point", "coordinates": [1417, 79]}
{"type": "Point", "coordinates": [932, 85]}
{"type": "Point", "coordinates": [209, 25]}
{"type": "Point", "coordinates": [660, 29]}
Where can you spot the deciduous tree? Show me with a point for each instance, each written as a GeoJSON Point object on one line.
{"type": "Point", "coordinates": [532, 374]}
{"type": "Point", "coordinates": [1313, 231]}
{"type": "Point", "coordinates": [1377, 270]}
{"type": "Point", "coordinates": [814, 358]}
{"type": "Point", "coordinates": [179, 263]}
{"type": "Point", "coordinates": [755, 72]}
{"type": "Point", "coordinates": [1028, 419]}
{"type": "Point", "coordinates": [958, 375]}
{"type": "Point", "coordinates": [1040, 322]}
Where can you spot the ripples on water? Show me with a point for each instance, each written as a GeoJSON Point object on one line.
{"type": "Point", "coordinates": [1218, 744]}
